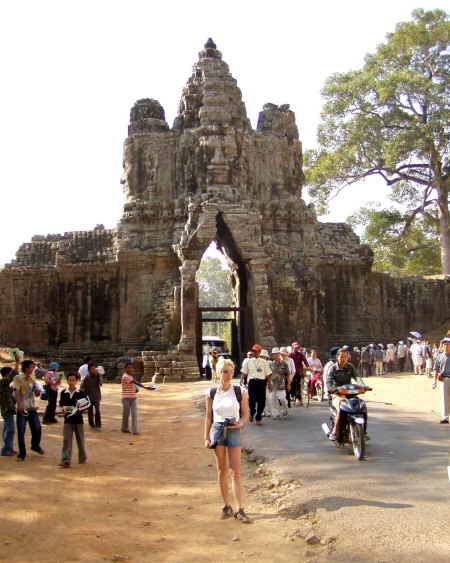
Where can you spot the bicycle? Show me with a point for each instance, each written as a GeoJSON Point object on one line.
{"type": "Point", "coordinates": [304, 390]}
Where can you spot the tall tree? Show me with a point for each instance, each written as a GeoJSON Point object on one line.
{"type": "Point", "coordinates": [416, 252]}
{"type": "Point", "coordinates": [392, 119]}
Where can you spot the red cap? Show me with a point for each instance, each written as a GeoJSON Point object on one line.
{"type": "Point", "coordinates": [256, 347]}
{"type": "Point", "coordinates": [295, 345]}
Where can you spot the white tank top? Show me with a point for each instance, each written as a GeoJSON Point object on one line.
{"type": "Point", "coordinates": [225, 405]}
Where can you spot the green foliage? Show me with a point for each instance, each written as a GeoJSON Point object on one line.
{"type": "Point", "coordinates": [214, 284]}
{"type": "Point", "coordinates": [392, 119]}
{"type": "Point", "coordinates": [398, 252]}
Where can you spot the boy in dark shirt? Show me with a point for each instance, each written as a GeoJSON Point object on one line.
{"type": "Point", "coordinates": [73, 423]}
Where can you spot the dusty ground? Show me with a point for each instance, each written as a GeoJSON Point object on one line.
{"type": "Point", "coordinates": [151, 497]}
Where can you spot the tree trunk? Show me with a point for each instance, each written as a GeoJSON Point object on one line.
{"type": "Point", "coordinates": [444, 234]}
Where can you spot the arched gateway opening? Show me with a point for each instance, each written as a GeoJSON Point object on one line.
{"type": "Point", "coordinates": [238, 312]}
{"type": "Point", "coordinates": [232, 314]}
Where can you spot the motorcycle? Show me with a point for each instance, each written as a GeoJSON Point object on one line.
{"type": "Point", "coordinates": [316, 386]}
{"type": "Point", "coordinates": [352, 420]}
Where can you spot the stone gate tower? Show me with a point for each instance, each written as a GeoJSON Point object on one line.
{"type": "Point", "coordinates": [132, 291]}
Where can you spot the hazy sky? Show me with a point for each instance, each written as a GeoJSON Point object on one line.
{"type": "Point", "coordinates": [71, 71]}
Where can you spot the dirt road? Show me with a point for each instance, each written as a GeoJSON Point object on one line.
{"type": "Point", "coordinates": [154, 497]}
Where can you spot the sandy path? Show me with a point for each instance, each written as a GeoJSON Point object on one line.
{"type": "Point", "coordinates": [151, 497]}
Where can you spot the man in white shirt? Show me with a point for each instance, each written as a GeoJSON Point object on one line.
{"type": "Point", "coordinates": [290, 362]}
{"type": "Point", "coordinates": [83, 369]}
{"type": "Point", "coordinates": [257, 374]}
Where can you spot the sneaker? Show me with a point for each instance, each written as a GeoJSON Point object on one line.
{"type": "Point", "coordinates": [240, 515]}
{"type": "Point", "coordinates": [227, 511]}
{"type": "Point", "coordinates": [251, 417]}
{"type": "Point", "coordinates": [444, 421]}
{"type": "Point", "coordinates": [278, 417]}
{"type": "Point", "coordinates": [332, 437]}
{"type": "Point", "coordinates": [366, 436]}
{"type": "Point", "coordinates": [259, 422]}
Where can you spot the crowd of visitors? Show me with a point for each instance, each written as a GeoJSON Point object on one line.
{"type": "Point", "coordinates": [19, 390]}
{"type": "Point", "coordinates": [273, 385]}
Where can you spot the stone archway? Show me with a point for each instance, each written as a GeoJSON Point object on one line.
{"type": "Point", "coordinates": [214, 227]}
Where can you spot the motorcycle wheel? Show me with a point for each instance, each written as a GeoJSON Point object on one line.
{"type": "Point", "coordinates": [358, 442]}
{"type": "Point", "coordinates": [304, 391]}
{"type": "Point", "coordinates": [319, 390]}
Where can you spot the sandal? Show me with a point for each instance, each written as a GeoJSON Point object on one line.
{"type": "Point", "coordinates": [227, 511]}
{"type": "Point", "coordinates": [240, 515]}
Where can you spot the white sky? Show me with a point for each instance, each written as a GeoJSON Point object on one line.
{"type": "Point", "coordinates": [71, 71]}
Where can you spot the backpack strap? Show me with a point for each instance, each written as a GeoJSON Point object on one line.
{"type": "Point", "coordinates": [237, 392]}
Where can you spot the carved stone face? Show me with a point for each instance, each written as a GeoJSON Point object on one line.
{"type": "Point", "coordinates": [219, 152]}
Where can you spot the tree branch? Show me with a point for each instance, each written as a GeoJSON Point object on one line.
{"type": "Point", "coordinates": [421, 247]}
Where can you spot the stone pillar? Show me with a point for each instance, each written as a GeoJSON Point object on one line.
{"type": "Point", "coordinates": [189, 301]}
{"type": "Point", "coordinates": [263, 314]}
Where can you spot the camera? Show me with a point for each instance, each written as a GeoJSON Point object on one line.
{"type": "Point", "coordinates": [231, 421]}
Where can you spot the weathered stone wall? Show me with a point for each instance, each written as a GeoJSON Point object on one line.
{"type": "Point", "coordinates": [131, 291]}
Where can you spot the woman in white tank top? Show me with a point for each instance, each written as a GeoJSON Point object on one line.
{"type": "Point", "coordinates": [225, 436]}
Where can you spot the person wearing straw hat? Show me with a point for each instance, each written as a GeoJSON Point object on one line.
{"type": "Point", "coordinates": [258, 374]}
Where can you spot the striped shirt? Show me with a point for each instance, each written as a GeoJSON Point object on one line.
{"type": "Point", "coordinates": [128, 390]}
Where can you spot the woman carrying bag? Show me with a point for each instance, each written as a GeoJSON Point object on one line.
{"type": "Point", "coordinates": [226, 414]}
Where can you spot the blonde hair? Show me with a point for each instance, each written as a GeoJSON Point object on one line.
{"type": "Point", "coordinates": [223, 362]}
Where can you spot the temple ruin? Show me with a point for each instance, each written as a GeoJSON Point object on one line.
{"type": "Point", "coordinates": [131, 291]}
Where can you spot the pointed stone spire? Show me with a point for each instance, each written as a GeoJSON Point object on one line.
{"type": "Point", "coordinates": [211, 96]}
{"type": "Point", "coordinates": [210, 51]}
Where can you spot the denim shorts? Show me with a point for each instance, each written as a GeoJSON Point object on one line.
{"type": "Point", "coordinates": [217, 432]}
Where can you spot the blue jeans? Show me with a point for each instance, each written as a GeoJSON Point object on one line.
{"type": "Point", "coordinates": [129, 405]}
{"type": "Point", "coordinates": [8, 433]}
{"type": "Point", "coordinates": [36, 431]}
